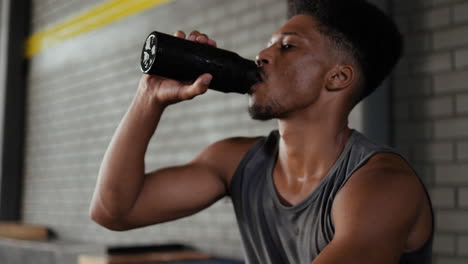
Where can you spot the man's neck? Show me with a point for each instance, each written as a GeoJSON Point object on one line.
{"type": "Point", "coordinates": [309, 148]}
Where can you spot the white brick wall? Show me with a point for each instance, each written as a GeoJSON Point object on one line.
{"type": "Point", "coordinates": [463, 197]}
{"type": "Point", "coordinates": [433, 152]}
{"type": "Point", "coordinates": [432, 19]}
{"type": "Point", "coordinates": [433, 107]}
{"type": "Point", "coordinates": [452, 37]}
{"type": "Point", "coordinates": [450, 82]}
{"type": "Point", "coordinates": [461, 58]}
{"type": "Point", "coordinates": [452, 220]}
{"type": "Point", "coordinates": [444, 244]}
{"type": "Point", "coordinates": [462, 151]}
{"type": "Point", "coordinates": [451, 128]}
{"type": "Point", "coordinates": [450, 260]}
{"type": "Point", "coordinates": [79, 90]}
{"type": "Point", "coordinates": [451, 174]}
{"type": "Point", "coordinates": [432, 85]}
{"type": "Point", "coordinates": [463, 245]}
{"type": "Point", "coordinates": [443, 197]}
{"type": "Point", "coordinates": [462, 104]}
{"type": "Point", "coordinates": [49, 12]}
{"type": "Point", "coordinates": [438, 62]}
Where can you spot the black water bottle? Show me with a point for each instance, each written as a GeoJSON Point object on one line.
{"type": "Point", "coordinates": [183, 60]}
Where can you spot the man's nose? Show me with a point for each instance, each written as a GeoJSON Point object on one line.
{"type": "Point", "coordinates": [262, 58]}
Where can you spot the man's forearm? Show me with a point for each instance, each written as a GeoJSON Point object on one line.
{"type": "Point", "coordinates": [122, 171]}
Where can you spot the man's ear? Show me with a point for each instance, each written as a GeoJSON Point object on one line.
{"type": "Point", "coordinates": [340, 77]}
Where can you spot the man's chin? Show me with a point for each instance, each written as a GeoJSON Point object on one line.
{"type": "Point", "coordinates": [262, 113]}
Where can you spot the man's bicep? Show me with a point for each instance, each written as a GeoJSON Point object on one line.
{"type": "Point", "coordinates": [175, 192]}
{"type": "Point", "coordinates": [349, 251]}
{"type": "Point", "coordinates": [179, 191]}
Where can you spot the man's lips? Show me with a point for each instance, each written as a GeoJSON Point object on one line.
{"type": "Point", "coordinates": [261, 78]}
{"type": "Point", "coordinates": [262, 74]}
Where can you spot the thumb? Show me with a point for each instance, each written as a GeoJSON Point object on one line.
{"type": "Point", "coordinates": [198, 87]}
{"type": "Point", "coordinates": [203, 81]}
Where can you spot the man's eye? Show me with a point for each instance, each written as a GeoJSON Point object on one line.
{"type": "Point", "coordinates": [286, 46]}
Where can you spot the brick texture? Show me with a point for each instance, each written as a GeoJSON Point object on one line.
{"type": "Point", "coordinates": [463, 197]}
{"type": "Point", "coordinates": [443, 197]}
{"type": "Point", "coordinates": [451, 260]}
{"type": "Point", "coordinates": [452, 221]}
{"type": "Point", "coordinates": [462, 151]}
{"type": "Point", "coordinates": [460, 13]}
{"type": "Point", "coordinates": [433, 19]}
{"type": "Point", "coordinates": [451, 128]}
{"type": "Point", "coordinates": [433, 107]}
{"type": "Point", "coordinates": [414, 86]}
{"type": "Point", "coordinates": [451, 82]}
{"type": "Point", "coordinates": [439, 62]}
{"type": "Point", "coordinates": [432, 82]}
{"type": "Point", "coordinates": [414, 131]}
{"type": "Point", "coordinates": [434, 152]}
{"type": "Point", "coordinates": [77, 96]}
{"type": "Point", "coordinates": [453, 173]}
{"type": "Point", "coordinates": [462, 104]}
{"type": "Point", "coordinates": [444, 244]}
{"type": "Point", "coordinates": [461, 58]}
{"type": "Point", "coordinates": [463, 245]}
{"type": "Point", "coordinates": [451, 38]}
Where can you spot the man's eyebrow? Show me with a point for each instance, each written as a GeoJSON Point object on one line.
{"type": "Point", "coordinates": [282, 34]}
{"type": "Point", "coordinates": [289, 33]}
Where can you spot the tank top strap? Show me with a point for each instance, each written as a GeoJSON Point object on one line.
{"type": "Point", "coordinates": [362, 150]}
{"type": "Point", "coordinates": [257, 150]}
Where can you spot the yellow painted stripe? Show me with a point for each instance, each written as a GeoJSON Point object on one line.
{"type": "Point", "coordinates": [94, 18]}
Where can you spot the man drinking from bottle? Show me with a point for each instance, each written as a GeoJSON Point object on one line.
{"type": "Point", "coordinates": [313, 191]}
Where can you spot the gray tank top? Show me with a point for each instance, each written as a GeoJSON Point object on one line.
{"type": "Point", "coordinates": [274, 233]}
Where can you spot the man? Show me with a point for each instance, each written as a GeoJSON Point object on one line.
{"type": "Point", "coordinates": [314, 191]}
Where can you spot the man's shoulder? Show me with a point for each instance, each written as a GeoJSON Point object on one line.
{"type": "Point", "coordinates": [233, 146]}
{"type": "Point", "coordinates": [225, 155]}
{"type": "Point", "coordinates": [386, 174]}
{"type": "Point", "coordinates": [387, 164]}
{"type": "Point", "coordinates": [388, 189]}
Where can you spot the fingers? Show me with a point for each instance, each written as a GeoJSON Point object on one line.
{"type": "Point", "coordinates": [193, 35]}
{"type": "Point", "coordinates": [167, 91]}
{"type": "Point", "coordinates": [197, 37]}
{"type": "Point", "coordinates": [180, 34]}
{"type": "Point", "coordinates": [201, 38]}
{"type": "Point", "coordinates": [200, 86]}
{"type": "Point", "coordinates": [212, 42]}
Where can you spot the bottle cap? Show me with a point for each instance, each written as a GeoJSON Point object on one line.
{"type": "Point", "coordinates": [148, 54]}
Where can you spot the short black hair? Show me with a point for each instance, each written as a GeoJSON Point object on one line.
{"type": "Point", "coordinates": [360, 29]}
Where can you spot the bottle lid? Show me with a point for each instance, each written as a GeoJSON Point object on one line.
{"type": "Point", "coordinates": [148, 54]}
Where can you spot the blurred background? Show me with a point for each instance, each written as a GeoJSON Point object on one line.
{"type": "Point", "coordinates": [69, 70]}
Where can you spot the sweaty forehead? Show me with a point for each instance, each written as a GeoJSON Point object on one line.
{"type": "Point", "coordinates": [305, 26]}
